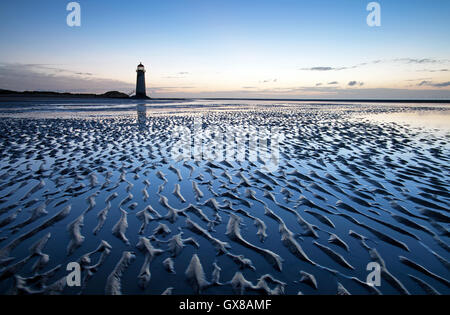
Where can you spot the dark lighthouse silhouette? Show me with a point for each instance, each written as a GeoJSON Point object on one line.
{"type": "Point", "coordinates": [141, 92]}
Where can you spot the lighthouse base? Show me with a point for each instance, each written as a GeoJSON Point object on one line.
{"type": "Point", "coordinates": [141, 97]}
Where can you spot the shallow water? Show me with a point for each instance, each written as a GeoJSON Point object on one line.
{"type": "Point", "coordinates": [439, 121]}
{"type": "Point", "coordinates": [330, 168]}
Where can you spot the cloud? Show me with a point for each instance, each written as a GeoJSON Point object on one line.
{"type": "Point", "coordinates": [421, 61]}
{"type": "Point", "coordinates": [438, 85]}
{"type": "Point", "coordinates": [334, 68]}
{"type": "Point", "coordinates": [319, 84]}
{"type": "Point", "coordinates": [51, 78]}
{"type": "Point", "coordinates": [397, 60]}
{"type": "Point", "coordinates": [424, 83]}
{"type": "Point", "coordinates": [48, 69]}
{"type": "Point", "coordinates": [328, 68]}
{"type": "Point", "coordinates": [178, 75]}
{"type": "Point", "coordinates": [319, 69]}
{"type": "Point", "coordinates": [443, 84]}
{"type": "Point", "coordinates": [269, 81]}
{"type": "Point", "coordinates": [39, 77]}
{"type": "Point", "coordinates": [434, 70]}
{"type": "Point", "coordinates": [419, 79]}
{"type": "Point", "coordinates": [354, 83]}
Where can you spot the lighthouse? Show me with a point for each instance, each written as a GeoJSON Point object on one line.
{"type": "Point", "coordinates": [140, 82]}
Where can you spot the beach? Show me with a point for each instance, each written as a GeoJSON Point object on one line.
{"type": "Point", "coordinates": [224, 197]}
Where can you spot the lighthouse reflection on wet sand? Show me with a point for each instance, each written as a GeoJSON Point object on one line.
{"type": "Point", "coordinates": [140, 82]}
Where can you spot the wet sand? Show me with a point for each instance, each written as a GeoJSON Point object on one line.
{"type": "Point", "coordinates": [283, 197]}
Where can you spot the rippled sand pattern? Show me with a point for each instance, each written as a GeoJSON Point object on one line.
{"type": "Point", "coordinates": [105, 191]}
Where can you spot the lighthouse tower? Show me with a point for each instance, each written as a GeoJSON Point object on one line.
{"type": "Point", "coordinates": [140, 82]}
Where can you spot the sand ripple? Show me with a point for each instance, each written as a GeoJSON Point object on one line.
{"type": "Point", "coordinates": [345, 192]}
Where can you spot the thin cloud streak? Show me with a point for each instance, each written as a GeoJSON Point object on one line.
{"type": "Point", "coordinates": [26, 77]}
{"type": "Point", "coordinates": [430, 83]}
{"type": "Point", "coordinates": [397, 60]}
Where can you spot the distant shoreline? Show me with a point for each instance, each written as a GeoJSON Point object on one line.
{"type": "Point", "coordinates": [7, 95]}
{"type": "Point", "coordinates": [330, 100]}
{"type": "Point", "coordinates": [112, 94]}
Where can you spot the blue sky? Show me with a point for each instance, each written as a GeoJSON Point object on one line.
{"type": "Point", "coordinates": [246, 48]}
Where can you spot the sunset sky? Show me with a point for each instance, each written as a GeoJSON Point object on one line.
{"type": "Point", "coordinates": [229, 48]}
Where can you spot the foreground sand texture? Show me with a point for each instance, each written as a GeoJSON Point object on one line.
{"type": "Point", "coordinates": [103, 188]}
